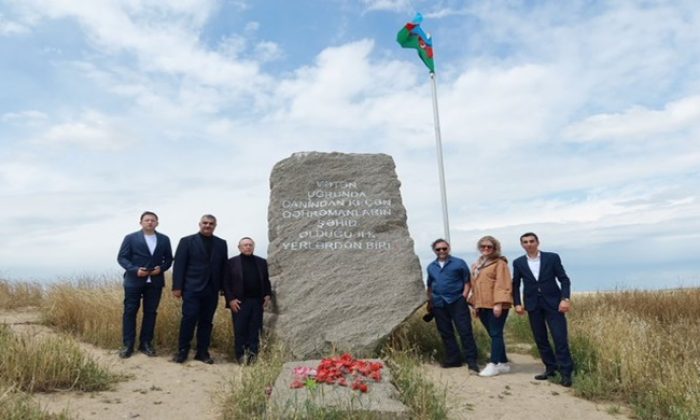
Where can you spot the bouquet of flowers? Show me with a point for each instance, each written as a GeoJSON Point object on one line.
{"type": "Point", "coordinates": [343, 370]}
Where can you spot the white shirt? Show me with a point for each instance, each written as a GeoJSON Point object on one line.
{"type": "Point", "coordinates": [534, 264]}
{"type": "Point", "coordinates": [151, 241]}
{"type": "Point", "coordinates": [442, 263]}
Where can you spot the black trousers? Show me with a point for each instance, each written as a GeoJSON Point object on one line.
{"type": "Point", "coordinates": [198, 310]}
{"type": "Point", "coordinates": [451, 316]}
{"type": "Point", "coordinates": [544, 318]}
{"type": "Point", "coordinates": [247, 325]}
{"type": "Point", "coordinates": [132, 301]}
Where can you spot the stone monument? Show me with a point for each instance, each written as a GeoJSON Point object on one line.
{"type": "Point", "coordinates": [342, 264]}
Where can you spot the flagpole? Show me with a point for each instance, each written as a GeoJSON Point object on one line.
{"type": "Point", "coordinates": [441, 166]}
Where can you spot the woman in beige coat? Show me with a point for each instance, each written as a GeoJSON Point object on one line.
{"type": "Point", "coordinates": [492, 297]}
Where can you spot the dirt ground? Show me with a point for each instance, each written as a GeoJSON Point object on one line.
{"type": "Point", "coordinates": [158, 388]}
{"type": "Point", "coordinates": [515, 395]}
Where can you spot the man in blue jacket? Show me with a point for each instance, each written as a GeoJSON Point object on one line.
{"type": "Point", "coordinates": [448, 288]}
{"type": "Point", "coordinates": [200, 261]}
{"type": "Point", "coordinates": [546, 304]}
{"type": "Point", "coordinates": [145, 255]}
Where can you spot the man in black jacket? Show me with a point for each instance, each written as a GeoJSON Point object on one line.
{"type": "Point", "coordinates": [200, 260]}
{"type": "Point", "coordinates": [247, 290]}
{"type": "Point", "coordinates": [547, 293]}
{"type": "Point", "coordinates": [144, 255]}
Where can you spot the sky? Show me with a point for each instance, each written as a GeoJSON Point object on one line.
{"type": "Point", "coordinates": [579, 120]}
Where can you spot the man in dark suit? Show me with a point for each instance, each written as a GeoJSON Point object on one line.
{"type": "Point", "coordinates": [247, 290]}
{"type": "Point", "coordinates": [145, 255]}
{"type": "Point", "coordinates": [200, 260]}
{"type": "Point", "coordinates": [546, 304]}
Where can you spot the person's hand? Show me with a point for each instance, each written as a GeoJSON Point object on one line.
{"type": "Point", "coordinates": [156, 271]}
{"type": "Point", "coordinates": [142, 272]}
{"type": "Point", "coordinates": [519, 310]}
{"type": "Point", "coordinates": [497, 310]}
{"type": "Point", "coordinates": [266, 302]}
{"type": "Point", "coordinates": [177, 294]}
{"type": "Point", "coordinates": [235, 305]}
{"type": "Point", "coordinates": [469, 298]}
{"type": "Point", "coordinates": [564, 306]}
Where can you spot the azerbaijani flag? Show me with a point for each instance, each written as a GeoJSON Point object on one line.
{"type": "Point", "coordinates": [412, 36]}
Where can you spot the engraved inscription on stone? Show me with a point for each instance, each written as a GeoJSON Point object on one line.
{"type": "Point", "coordinates": [338, 208]}
{"type": "Point", "coordinates": [342, 262]}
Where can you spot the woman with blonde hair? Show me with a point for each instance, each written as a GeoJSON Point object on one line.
{"type": "Point", "coordinates": [492, 297]}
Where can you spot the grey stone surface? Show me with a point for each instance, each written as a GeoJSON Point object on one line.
{"type": "Point", "coordinates": [381, 401]}
{"type": "Point", "coordinates": [342, 262]}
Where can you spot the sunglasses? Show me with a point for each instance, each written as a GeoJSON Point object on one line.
{"type": "Point", "coordinates": [441, 249]}
{"type": "Point", "coordinates": [486, 246]}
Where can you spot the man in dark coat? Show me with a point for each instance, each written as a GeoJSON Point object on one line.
{"type": "Point", "coordinates": [247, 290]}
{"type": "Point", "coordinates": [200, 261]}
{"type": "Point", "coordinates": [546, 303]}
{"type": "Point", "coordinates": [144, 255]}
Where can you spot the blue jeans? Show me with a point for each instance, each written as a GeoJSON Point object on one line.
{"type": "Point", "coordinates": [447, 318]}
{"type": "Point", "coordinates": [132, 300]}
{"type": "Point", "coordinates": [494, 326]}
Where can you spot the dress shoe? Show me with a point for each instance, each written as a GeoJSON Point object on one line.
{"type": "Point", "coordinates": [473, 366]}
{"type": "Point", "coordinates": [204, 358]}
{"type": "Point", "coordinates": [566, 381]}
{"type": "Point", "coordinates": [181, 356]}
{"type": "Point", "coordinates": [448, 365]}
{"type": "Point", "coordinates": [546, 375]}
{"type": "Point", "coordinates": [147, 349]}
{"type": "Point", "coordinates": [126, 352]}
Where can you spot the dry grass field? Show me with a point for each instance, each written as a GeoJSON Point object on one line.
{"type": "Point", "coordinates": [92, 311]}
{"type": "Point", "coordinates": [20, 294]}
{"type": "Point", "coordinates": [641, 348]}
{"type": "Point", "coordinates": [35, 363]}
{"type": "Point", "coordinates": [637, 348]}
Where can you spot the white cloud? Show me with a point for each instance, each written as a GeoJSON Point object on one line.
{"type": "Point", "coordinates": [545, 126]}
{"type": "Point", "coordinates": [167, 46]}
{"type": "Point", "coordinates": [29, 117]}
{"type": "Point", "coordinates": [8, 27]}
{"type": "Point", "coordinates": [391, 5]}
{"type": "Point", "coordinates": [251, 26]}
{"type": "Point", "coordinates": [639, 123]}
{"type": "Point", "coordinates": [445, 12]}
{"type": "Point", "coordinates": [268, 51]}
{"type": "Point", "coordinates": [326, 93]}
{"type": "Point", "coordinates": [92, 131]}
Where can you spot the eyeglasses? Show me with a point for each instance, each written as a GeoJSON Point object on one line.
{"type": "Point", "coordinates": [486, 246]}
{"type": "Point", "coordinates": [528, 241]}
{"type": "Point", "coordinates": [441, 249]}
